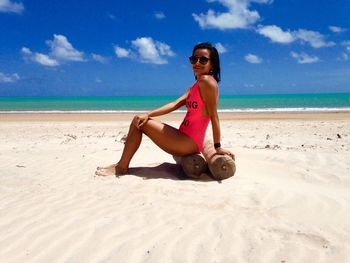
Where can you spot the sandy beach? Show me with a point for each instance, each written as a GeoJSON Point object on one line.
{"type": "Point", "coordinates": [289, 200]}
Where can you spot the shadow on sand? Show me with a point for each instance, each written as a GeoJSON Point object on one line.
{"type": "Point", "coordinates": [165, 171]}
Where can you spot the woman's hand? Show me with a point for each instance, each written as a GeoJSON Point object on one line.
{"type": "Point", "coordinates": [141, 120]}
{"type": "Point", "coordinates": [223, 151]}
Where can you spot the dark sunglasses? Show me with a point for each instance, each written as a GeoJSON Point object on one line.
{"type": "Point", "coordinates": [202, 60]}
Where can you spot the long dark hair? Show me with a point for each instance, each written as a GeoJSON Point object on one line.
{"type": "Point", "coordinates": [214, 58]}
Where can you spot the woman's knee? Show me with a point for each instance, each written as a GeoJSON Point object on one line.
{"type": "Point", "coordinates": [135, 124]}
{"type": "Point", "coordinates": [134, 121]}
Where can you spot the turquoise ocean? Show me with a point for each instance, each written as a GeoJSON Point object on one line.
{"type": "Point", "coordinates": [227, 103]}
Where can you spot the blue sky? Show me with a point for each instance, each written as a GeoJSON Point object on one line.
{"type": "Point", "coordinates": [113, 48]}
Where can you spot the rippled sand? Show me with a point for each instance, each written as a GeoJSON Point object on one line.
{"type": "Point", "coordinates": [288, 202]}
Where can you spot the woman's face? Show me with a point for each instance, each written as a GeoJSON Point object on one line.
{"type": "Point", "coordinates": [198, 68]}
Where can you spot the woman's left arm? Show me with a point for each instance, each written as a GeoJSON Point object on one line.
{"type": "Point", "coordinates": [209, 93]}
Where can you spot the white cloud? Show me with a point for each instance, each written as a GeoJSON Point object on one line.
{"type": "Point", "coordinates": [7, 6]}
{"type": "Point", "coordinates": [100, 58]}
{"type": "Point", "coordinates": [163, 48]}
{"type": "Point", "coordinates": [276, 34]}
{"type": "Point", "coordinates": [159, 15]}
{"type": "Point", "coordinates": [122, 52]}
{"type": "Point", "coordinates": [237, 16]}
{"type": "Point", "coordinates": [251, 58]}
{"type": "Point", "coordinates": [45, 60]}
{"type": "Point", "coordinates": [111, 16]}
{"type": "Point", "coordinates": [315, 39]}
{"type": "Point", "coordinates": [60, 51]}
{"type": "Point", "coordinates": [39, 58]}
{"type": "Point", "coordinates": [220, 48]}
{"type": "Point", "coordinates": [146, 50]}
{"type": "Point", "coordinates": [346, 44]}
{"type": "Point", "coordinates": [63, 50]}
{"type": "Point", "coordinates": [246, 85]}
{"type": "Point", "coordinates": [26, 51]}
{"type": "Point", "coordinates": [304, 58]}
{"type": "Point", "coordinates": [336, 29]}
{"type": "Point", "coordinates": [344, 57]}
{"type": "Point", "coordinates": [9, 78]}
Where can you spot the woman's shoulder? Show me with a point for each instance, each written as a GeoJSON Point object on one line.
{"type": "Point", "coordinates": [207, 81]}
{"type": "Point", "coordinates": [208, 86]}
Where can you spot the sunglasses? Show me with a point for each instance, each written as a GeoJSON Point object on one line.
{"type": "Point", "coordinates": [202, 60]}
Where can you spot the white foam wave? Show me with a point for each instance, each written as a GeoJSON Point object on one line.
{"type": "Point", "coordinates": [243, 110]}
{"type": "Point", "coordinates": [286, 110]}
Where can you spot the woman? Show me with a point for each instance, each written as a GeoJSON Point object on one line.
{"type": "Point", "coordinates": [201, 101]}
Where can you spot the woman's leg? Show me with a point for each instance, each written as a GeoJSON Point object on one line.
{"type": "Point", "coordinates": [132, 143]}
{"type": "Point", "coordinates": [169, 138]}
{"type": "Point", "coordinates": [166, 137]}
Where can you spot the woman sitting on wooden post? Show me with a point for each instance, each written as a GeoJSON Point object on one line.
{"type": "Point", "coordinates": [201, 100]}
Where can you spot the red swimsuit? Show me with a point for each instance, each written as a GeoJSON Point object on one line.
{"type": "Point", "coordinates": [195, 124]}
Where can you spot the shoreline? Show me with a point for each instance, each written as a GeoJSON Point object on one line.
{"type": "Point", "coordinates": [127, 116]}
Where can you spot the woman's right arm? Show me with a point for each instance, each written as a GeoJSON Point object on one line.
{"type": "Point", "coordinates": [167, 108]}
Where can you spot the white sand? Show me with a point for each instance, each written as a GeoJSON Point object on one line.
{"type": "Point", "coordinates": [288, 202]}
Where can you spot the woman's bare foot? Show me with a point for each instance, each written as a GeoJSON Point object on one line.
{"type": "Point", "coordinates": [114, 169]}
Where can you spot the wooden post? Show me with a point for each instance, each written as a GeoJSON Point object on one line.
{"type": "Point", "coordinates": [193, 165]}
{"type": "Point", "coordinates": [220, 166]}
